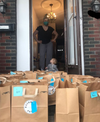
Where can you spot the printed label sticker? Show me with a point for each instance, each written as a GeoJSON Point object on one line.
{"type": "Point", "coordinates": [12, 73]}
{"type": "Point", "coordinates": [85, 81]}
{"type": "Point", "coordinates": [50, 73]}
{"type": "Point", "coordinates": [52, 84]}
{"type": "Point", "coordinates": [17, 91]}
{"type": "Point", "coordinates": [40, 78]}
{"type": "Point", "coordinates": [23, 81]}
{"type": "Point", "coordinates": [30, 107]}
{"type": "Point", "coordinates": [71, 80]}
{"type": "Point", "coordinates": [62, 79]}
{"type": "Point", "coordinates": [94, 94]}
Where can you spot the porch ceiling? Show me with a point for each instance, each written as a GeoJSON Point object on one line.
{"type": "Point", "coordinates": [42, 7]}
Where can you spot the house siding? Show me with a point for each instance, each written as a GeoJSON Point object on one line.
{"type": "Point", "coordinates": [8, 40]}
{"type": "Point", "coordinates": [91, 33]}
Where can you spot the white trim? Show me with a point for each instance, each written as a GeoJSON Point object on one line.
{"type": "Point", "coordinates": [81, 36]}
{"type": "Point", "coordinates": [23, 39]}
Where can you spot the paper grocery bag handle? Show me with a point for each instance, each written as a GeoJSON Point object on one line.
{"type": "Point", "coordinates": [56, 86]}
{"type": "Point", "coordinates": [22, 73]}
{"type": "Point", "coordinates": [32, 80]}
{"type": "Point", "coordinates": [99, 94]}
{"type": "Point", "coordinates": [5, 80]}
{"type": "Point", "coordinates": [30, 96]}
{"type": "Point", "coordinates": [52, 81]}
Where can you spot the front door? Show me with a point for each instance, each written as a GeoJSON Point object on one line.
{"type": "Point", "coordinates": [73, 45]}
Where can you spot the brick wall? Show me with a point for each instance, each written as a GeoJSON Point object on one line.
{"type": "Point", "coordinates": [91, 41]}
{"type": "Point", "coordinates": [7, 44]}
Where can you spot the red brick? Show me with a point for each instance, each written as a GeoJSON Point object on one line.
{"type": "Point", "coordinates": [94, 56]}
{"type": "Point", "coordinates": [96, 39]}
{"type": "Point", "coordinates": [98, 52]}
{"type": "Point", "coordinates": [6, 37]}
{"type": "Point", "coordinates": [8, 4]}
{"type": "Point", "coordinates": [97, 32]}
{"type": "Point", "coordinates": [1, 17]}
{"type": "Point", "coordinates": [2, 41]}
{"type": "Point", "coordinates": [97, 45]}
{"type": "Point", "coordinates": [2, 68]}
{"type": "Point", "coordinates": [95, 62]}
{"type": "Point", "coordinates": [94, 35]}
{"type": "Point", "coordinates": [94, 49]}
{"type": "Point", "coordinates": [98, 66]}
{"type": "Point", "coordinates": [2, 61]}
{"type": "Point", "coordinates": [8, 11]}
{"type": "Point", "coordinates": [7, 17]}
{"type": "Point", "coordinates": [94, 28]}
{"type": "Point", "coordinates": [2, 21]}
{"type": "Point", "coordinates": [97, 59]}
{"type": "Point", "coordinates": [95, 69]}
{"type": "Point", "coordinates": [3, 34]}
{"type": "Point", "coordinates": [2, 54]}
{"type": "Point", "coordinates": [93, 22]}
{"type": "Point", "coordinates": [4, 71]}
{"type": "Point", "coordinates": [6, 57]}
{"type": "Point", "coordinates": [96, 25]}
{"type": "Point", "coordinates": [5, 64]}
{"type": "Point", "coordinates": [5, 51]}
{"type": "Point", "coordinates": [2, 47]}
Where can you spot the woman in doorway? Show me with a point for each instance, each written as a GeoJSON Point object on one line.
{"type": "Point", "coordinates": [46, 42]}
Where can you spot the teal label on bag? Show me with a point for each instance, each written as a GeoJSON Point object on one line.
{"type": "Point", "coordinates": [52, 84]}
{"type": "Point", "coordinates": [17, 91]}
{"type": "Point", "coordinates": [94, 94]}
{"type": "Point", "coordinates": [62, 79]}
{"type": "Point", "coordinates": [12, 73]}
{"type": "Point", "coordinates": [50, 73]}
{"type": "Point", "coordinates": [34, 107]}
{"type": "Point", "coordinates": [40, 78]}
{"type": "Point", "coordinates": [71, 80]}
{"type": "Point", "coordinates": [23, 81]}
{"type": "Point", "coordinates": [85, 81]}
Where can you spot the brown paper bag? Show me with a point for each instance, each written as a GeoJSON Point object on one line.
{"type": "Point", "coordinates": [11, 76]}
{"type": "Point", "coordinates": [63, 80]}
{"type": "Point", "coordinates": [52, 92]}
{"type": "Point", "coordinates": [70, 82]}
{"type": "Point", "coordinates": [20, 73]}
{"type": "Point", "coordinates": [33, 81]}
{"type": "Point", "coordinates": [43, 73]}
{"type": "Point", "coordinates": [4, 103]}
{"type": "Point", "coordinates": [89, 98]}
{"type": "Point", "coordinates": [29, 103]}
{"type": "Point", "coordinates": [10, 80]}
{"type": "Point", "coordinates": [52, 86]}
{"type": "Point", "coordinates": [69, 76]}
{"type": "Point", "coordinates": [77, 81]}
{"type": "Point", "coordinates": [30, 74]}
{"type": "Point", "coordinates": [67, 105]}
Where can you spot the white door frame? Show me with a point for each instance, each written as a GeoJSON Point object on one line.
{"type": "Point", "coordinates": [23, 35]}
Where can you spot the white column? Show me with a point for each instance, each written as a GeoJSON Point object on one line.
{"type": "Point", "coordinates": [81, 36]}
{"type": "Point", "coordinates": [23, 41]}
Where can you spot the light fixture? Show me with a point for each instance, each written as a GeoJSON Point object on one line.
{"type": "Point", "coordinates": [3, 7]}
{"type": "Point", "coordinates": [51, 16]}
{"type": "Point", "coordinates": [95, 6]}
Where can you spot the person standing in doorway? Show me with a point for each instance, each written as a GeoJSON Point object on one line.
{"type": "Point", "coordinates": [46, 42]}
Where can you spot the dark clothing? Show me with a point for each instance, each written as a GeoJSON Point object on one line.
{"type": "Point", "coordinates": [48, 50]}
{"type": "Point", "coordinates": [45, 36]}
